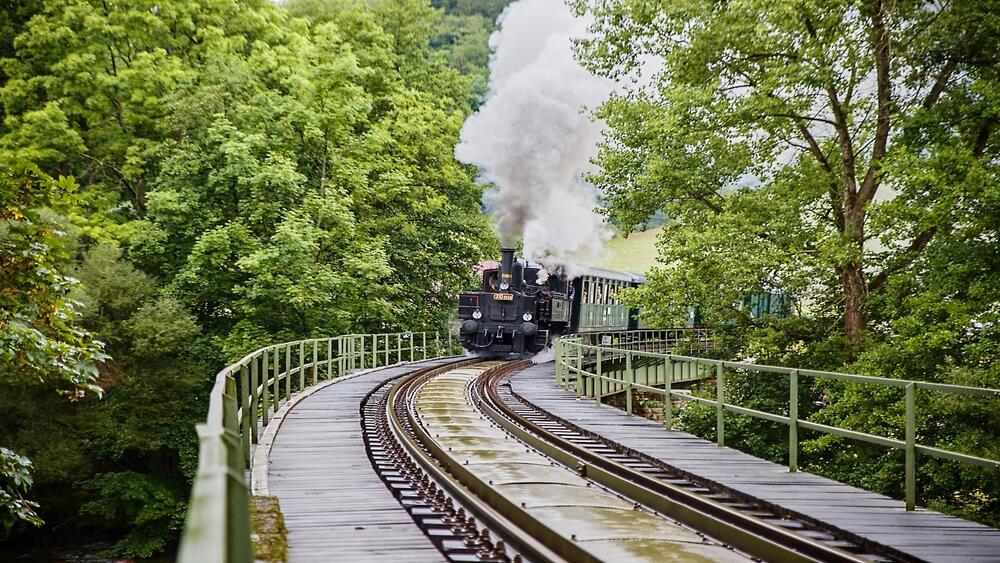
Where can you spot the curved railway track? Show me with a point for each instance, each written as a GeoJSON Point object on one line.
{"type": "Point", "coordinates": [488, 477]}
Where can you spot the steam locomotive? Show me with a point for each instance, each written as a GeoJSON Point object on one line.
{"type": "Point", "coordinates": [523, 306]}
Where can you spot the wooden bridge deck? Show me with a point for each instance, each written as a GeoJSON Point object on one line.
{"type": "Point", "coordinates": [920, 534]}
{"type": "Point", "coordinates": [335, 506]}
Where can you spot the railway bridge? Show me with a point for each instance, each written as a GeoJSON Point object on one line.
{"type": "Point", "coordinates": [399, 447]}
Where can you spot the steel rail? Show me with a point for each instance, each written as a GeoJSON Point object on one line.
{"type": "Point", "coordinates": [744, 532]}
{"type": "Point", "coordinates": [570, 360]}
{"type": "Point", "coordinates": [458, 482]}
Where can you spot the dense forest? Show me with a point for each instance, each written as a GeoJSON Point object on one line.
{"type": "Point", "coordinates": [182, 182]}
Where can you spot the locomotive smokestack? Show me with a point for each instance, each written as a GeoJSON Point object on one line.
{"type": "Point", "coordinates": [506, 268]}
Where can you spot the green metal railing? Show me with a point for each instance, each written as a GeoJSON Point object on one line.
{"type": "Point", "coordinates": [645, 340]}
{"type": "Point", "coordinates": [241, 403]}
{"type": "Point", "coordinates": [594, 379]}
{"type": "Point", "coordinates": [649, 340]}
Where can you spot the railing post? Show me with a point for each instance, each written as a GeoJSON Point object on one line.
{"type": "Point", "coordinates": [720, 395]}
{"type": "Point", "coordinates": [793, 421]}
{"type": "Point", "coordinates": [254, 404]}
{"type": "Point", "coordinates": [247, 413]}
{"type": "Point", "coordinates": [911, 451]}
{"type": "Point", "coordinates": [265, 395]}
{"type": "Point", "coordinates": [315, 362]}
{"type": "Point", "coordinates": [668, 405]}
{"type": "Point", "coordinates": [598, 382]}
{"type": "Point", "coordinates": [399, 346]}
{"type": "Point", "coordinates": [302, 365]}
{"type": "Point", "coordinates": [412, 349]}
{"type": "Point", "coordinates": [437, 344]}
{"type": "Point", "coordinates": [237, 508]}
{"type": "Point", "coordinates": [361, 351]}
{"type": "Point", "coordinates": [580, 383]}
{"type": "Point", "coordinates": [277, 380]}
{"type": "Point", "coordinates": [423, 343]}
{"type": "Point", "coordinates": [329, 358]}
{"type": "Point", "coordinates": [629, 382]}
{"type": "Point", "coordinates": [341, 356]}
{"type": "Point", "coordinates": [288, 371]}
{"type": "Point", "coordinates": [558, 354]}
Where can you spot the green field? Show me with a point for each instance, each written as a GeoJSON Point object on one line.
{"type": "Point", "coordinates": [636, 254]}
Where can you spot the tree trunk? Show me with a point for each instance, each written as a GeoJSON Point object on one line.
{"type": "Point", "coordinates": [852, 277]}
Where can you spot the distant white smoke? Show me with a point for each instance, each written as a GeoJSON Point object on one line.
{"type": "Point", "coordinates": [533, 138]}
{"type": "Point", "coordinates": [542, 276]}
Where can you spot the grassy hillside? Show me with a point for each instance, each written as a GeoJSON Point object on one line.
{"type": "Point", "coordinates": [636, 254]}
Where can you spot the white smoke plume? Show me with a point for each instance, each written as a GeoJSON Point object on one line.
{"type": "Point", "coordinates": [546, 355]}
{"type": "Point", "coordinates": [534, 138]}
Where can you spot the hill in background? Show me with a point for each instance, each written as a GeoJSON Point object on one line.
{"type": "Point", "coordinates": [636, 254]}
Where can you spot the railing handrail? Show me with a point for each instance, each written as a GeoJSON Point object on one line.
{"type": "Point", "coordinates": [886, 381]}
{"type": "Point", "coordinates": [217, 527]}
{"type": "Point", "coordinates": [570, 353]}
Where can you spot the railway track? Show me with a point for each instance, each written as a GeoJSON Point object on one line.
{"type": "Point", "coordinates": [488, 477]}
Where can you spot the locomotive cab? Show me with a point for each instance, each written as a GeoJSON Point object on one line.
{"type": "Point", "coordinates": [518, 310]}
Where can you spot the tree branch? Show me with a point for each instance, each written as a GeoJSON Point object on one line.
{"type": "Point", "coordinates": [982, 137]}
{"type": "Point", "coordinates": [840, 124]}
{"type": "Point", "coordinates": [940, 83]}
{"type": "Point", "coordinates": [909, 255]}
{"type": "Point", "coordinates": [716, 208]}
{"type": "Point", "coordinates": [884, 95]}
{"type": "Point", "coordinates": [801, 117]}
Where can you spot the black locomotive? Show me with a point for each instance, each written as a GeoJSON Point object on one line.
{"type": "Point", "coordinates": [521, 306]}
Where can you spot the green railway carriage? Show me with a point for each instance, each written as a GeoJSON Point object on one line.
{"type": "Point", "coordinates": [597, 304]}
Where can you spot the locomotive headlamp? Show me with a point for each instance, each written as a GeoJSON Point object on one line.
{"type": "Point", "coordinates": [526, 316]}
{"type": "Point", "coordinates": [504, 285]}
{"type": "Point", "coordinates": [477, 314]}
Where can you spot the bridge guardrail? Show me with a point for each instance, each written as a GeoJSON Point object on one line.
{"type": "Point", "coordinates": [242, 399]}
{"type": "Point", "coordinates": [571, 364]}
{"type": "Point", "coordinates": [646, 340]}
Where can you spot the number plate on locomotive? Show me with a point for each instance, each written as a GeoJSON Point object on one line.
{"type": "Point", "coordinates": [503, 296]}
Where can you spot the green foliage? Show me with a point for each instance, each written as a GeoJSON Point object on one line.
{"type": "Point", "coordinates": [15, 481]}
{"type": "Point", "coordinates": [144, 504]}
{"type": "Point", "coordinates": [463, 35]}
{"type": "Point", "coordinates": [760, 116]}
{"type": "Point", "coordinates": [245, 173]}
{"type": "Point", "coordinates": [793, 150]}
{"type": "Point", "coordinates": [38, 335]}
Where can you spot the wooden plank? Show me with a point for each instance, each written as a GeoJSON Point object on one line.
{"type": "Point", "coordinates": [923, 534]}
{"type": "Point", "coordinates": [335, 506]}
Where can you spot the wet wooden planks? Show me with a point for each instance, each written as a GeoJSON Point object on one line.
{"type": "Point", "coordinates": [335, 506]}
{"type": "Point", "coordinates": [922, 534]}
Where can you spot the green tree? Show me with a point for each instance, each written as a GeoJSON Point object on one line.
{"type": "Point", "coordinates": [815, 109]}
{"type": "Point", "coordinates": [40, 339]}
{"type": "Point", "coordinates": [246, 174]}
{"type": "Point", "coordinates": [842, 153]}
